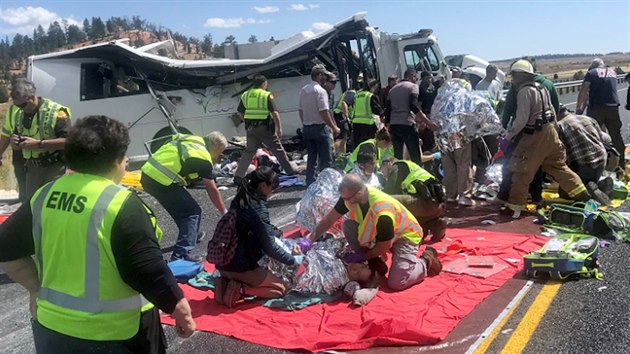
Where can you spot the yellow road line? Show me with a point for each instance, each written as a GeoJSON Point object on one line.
{"type": "Point", "coordinates": [518, 340]}
{"type": "Point", "coordinates": [491, 337]}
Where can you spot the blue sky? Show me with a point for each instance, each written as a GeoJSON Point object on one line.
{"type": "Point", "coordinates": [489, 29]}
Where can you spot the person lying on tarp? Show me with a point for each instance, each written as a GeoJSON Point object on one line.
{"type": "Point", "coordinates": [378, 223]}
{"type": "Point", "coordinates": [420, 192]}
{"type": "Point", "coordinates": [325, 271]}
{"type": "Point", "coordinates": [256, 238]}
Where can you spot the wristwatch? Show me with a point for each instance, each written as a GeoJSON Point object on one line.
{"type": "Point", "coordinates": [41, 144]}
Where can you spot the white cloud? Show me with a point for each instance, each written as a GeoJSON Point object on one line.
{"type": "Point", "coordinates": [302, 7]}
{"type": "Point", "coordinates": [266, 9]}
{"type": "Point", "coordinates": [321, 26]}
{"type": "Point", "coordinates": [232, 22]}
{"type": "Point", "coordinates": [25, 19]}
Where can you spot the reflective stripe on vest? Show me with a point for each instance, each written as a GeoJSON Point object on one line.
{"type": "Point", "coordinates": [177, 179]}
{"type": "Point", "coordinates": [363, 109]}
{"type": "Point", "coordinates": [165, 165]}
{"type": "Point", "coordinates": [416, 173]}
{"type": "Point", "coordinates": [41, 128]}
{"type": "Point", "coordinates": [256, 102]}
{"type": "Point", "coordinates": [91, 302]}
{"type": "Point", "coordinates": [382, 204]}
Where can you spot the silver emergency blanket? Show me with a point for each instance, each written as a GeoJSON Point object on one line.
{"type": "Point", "coordinates": [462, 115]}
{"type": "Point", "coordinates": [324, 271]}
{"type": "Point", "coordinates": [320, 197]}
{"type": "Point", "coordinates": [494, 172]}
{"type": "Point", "coordinates": [285, 272]}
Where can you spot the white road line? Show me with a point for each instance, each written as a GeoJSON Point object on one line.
{"type": "Point", "coordinates": [501, 316]}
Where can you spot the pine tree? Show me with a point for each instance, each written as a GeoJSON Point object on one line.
{"type": "Point", "coordinates": [98, 28]}
{"type": "Point", "coordinates": [56, 36]}
{"type": "Point", "coordinates": [29, 46]}
{"type": "Point", "coordinates": [41, 41]}
{"type": "Point", "coordinates": [253, 39]}
{"type": "Point", "coordinates": [206, 45]}
{"type": "Point", "coordinates": [138, 23]}
{"type": "Point", "coordinates": [17, 47]}
{"type": "Point", "coordinates": [230, 40]}
{"type": "Point", "coordinates": [87, 28]}
{"type": "Point", "coordinates": [75, 35]}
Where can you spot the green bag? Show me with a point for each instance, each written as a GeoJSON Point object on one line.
{"type": "Point", "coordinates": [565, 256]}
{"type": "Point", "coordinates": [582, 218]}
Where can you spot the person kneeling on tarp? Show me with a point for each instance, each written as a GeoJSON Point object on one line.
{"type": "Point", "coordinates": [255, 238]}
{"type": "Point", "coordinates": [419, 192]}
{"type": "Point", "coordinates": [379, 223]}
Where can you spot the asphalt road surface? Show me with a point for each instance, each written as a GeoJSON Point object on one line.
{"type": "Point", "coordinates": [586, 316]}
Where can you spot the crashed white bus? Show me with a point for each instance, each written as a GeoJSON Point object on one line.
{"type": "Point", "coordinates": [155, 94]}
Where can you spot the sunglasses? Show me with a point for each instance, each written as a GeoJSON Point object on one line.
{"type": "Point", "coordinates": [353, 195]}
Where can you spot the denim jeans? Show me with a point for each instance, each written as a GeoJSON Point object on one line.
{"type": "Point", "coordinates": [407, 135]}
{"type": "Point", "coordinates": [318, 145]}
{"type": "Point", "coordinates": [183, 209]}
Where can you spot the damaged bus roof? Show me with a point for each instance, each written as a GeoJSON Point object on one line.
{"type": "Point", "coordinates": [286, 56]}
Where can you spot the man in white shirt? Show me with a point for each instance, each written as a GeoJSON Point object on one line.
{"type": "Point", "coordinates": [317, 121]}
{"type": "Point", "coordinates": [489, 83]}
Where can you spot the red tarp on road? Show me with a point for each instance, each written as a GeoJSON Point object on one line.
{"type": "Point", "coordinates": [421, 315]}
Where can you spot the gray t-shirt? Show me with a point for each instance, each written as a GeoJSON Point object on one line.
{"type": "Point", "coordinates": [493, 88]}
{"type": "Point", "coordinates": [400, 97]}
{"type": "Point", "coordinates": [313, 99]}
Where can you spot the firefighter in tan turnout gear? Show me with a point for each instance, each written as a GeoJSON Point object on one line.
{"type": "Point", "coordinates": [536, 141]}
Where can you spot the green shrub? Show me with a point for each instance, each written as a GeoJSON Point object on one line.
{"type": "Point", "coordinates": [4, 94]}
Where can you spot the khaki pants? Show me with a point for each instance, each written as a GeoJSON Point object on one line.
{"type": "Point", "coordinates": [256, 137]}
{"type": "Point", "coordinates": [457, 171]}
{"type": "Point", "coordinates": [541, 149]}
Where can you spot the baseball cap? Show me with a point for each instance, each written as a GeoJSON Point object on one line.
{"type": "Point", "coordinates": [320, 69]}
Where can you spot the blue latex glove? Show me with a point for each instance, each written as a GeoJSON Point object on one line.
{"type": "Point", "coordinates": [298, 259]}
{"type": "Point", "coordinates": [356, 257]}
{"type": "Point", "coordinates": [437, 155]}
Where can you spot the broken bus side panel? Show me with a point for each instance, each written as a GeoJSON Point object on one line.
{"type": "Point", "coordinates": [148, 92]}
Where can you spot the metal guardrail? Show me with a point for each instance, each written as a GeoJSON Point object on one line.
{"type": "Point", "coordinates": [571, 86]}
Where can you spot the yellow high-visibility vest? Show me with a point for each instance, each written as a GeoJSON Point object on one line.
{"type": "Point", "coordinates": [256, 102]}
{"type": "Point", "coordinates": [382, 204]}
{"type": "Point", "coordinates": [82, 293]}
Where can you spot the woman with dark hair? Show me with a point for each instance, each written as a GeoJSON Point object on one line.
{"type": "Point", "coordinates": [96, 249]}
{"type": "Point", "coordinates": [256, 238]}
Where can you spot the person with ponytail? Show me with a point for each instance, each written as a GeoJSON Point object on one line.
{"type": "Point", "coordinates": [256, 237]}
